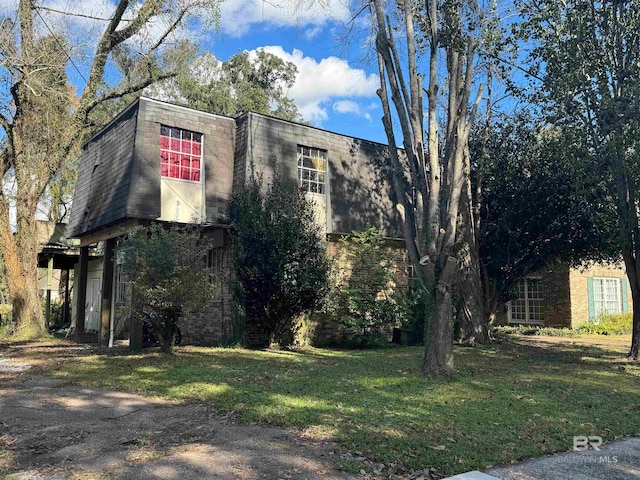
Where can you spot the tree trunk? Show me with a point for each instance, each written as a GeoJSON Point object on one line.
{"type": "Point", "coordinates": [634, 286]}
{"type": "Point", "coordinates": [473, 322]}
{"type": "Point", "coordinates": [634, 351]}
{"type": "Point", "coordinates": [438, 353]}
{"type": "Point", "coordinates": [20, 250]}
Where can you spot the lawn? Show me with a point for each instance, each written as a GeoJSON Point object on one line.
{"type": "Point", "coordinates": [520, 398]}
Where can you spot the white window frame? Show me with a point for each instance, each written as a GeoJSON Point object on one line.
{"type": "Point", "coordinates": [604, 287]}
{"type": "Point", "coordinates": [528, 304]}
{"type": "Point", "coordinates": [184, 135]}
{"type": "Point", "coordinates": [313, 179]}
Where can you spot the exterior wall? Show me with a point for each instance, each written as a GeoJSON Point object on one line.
{"type": "Point", "coordinates": [217, 161]}
{"type": "Point", "coordinates": [214, 325]}
{"type": "Point", "coordinates": [578, 279]}
{"type": "Point", "coordinates": [360, 196]}
{"type": "Point", "coordinates": [324, 329]}
{"type": "Point", "coordinates": [105, 173]}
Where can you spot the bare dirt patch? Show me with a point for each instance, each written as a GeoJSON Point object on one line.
{"type": "Point", "coordinates": [48, 431]}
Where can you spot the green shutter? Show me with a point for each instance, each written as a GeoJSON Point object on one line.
{"type": "Point", "coordinates": [591, 297]}
{"type": "Point", "coordinates": [625, 294]}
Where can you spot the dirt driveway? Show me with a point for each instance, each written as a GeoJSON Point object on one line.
{"type": "Point", "coordinates": [48, 431]}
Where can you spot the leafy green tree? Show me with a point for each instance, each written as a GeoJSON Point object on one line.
{"type": "Point", "coordinates": [167, 270]}
{"type": "Point", "coordinates": [586, 61]}
{"type": "Point", "coordinates": [281, 259]}
{"type": "Point", "coordinates": [362, 301]}
{"type": "Point", "coordinates": [540, 204]}
{"type": "Point", "coordinates": [44, 121]}
{"type": "Point", "coordinates": [242, 84]}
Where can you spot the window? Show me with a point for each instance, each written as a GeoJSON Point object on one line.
{"type": "Point", "coordinates": [120, 282]}
{"type": "Point", "coordinates": [121, 285]}
{"type": "Point", "coordinates": [214, 263]}
{"type": "Point", "coordinates": [527, 307]}
{"type": "Point", "coordinates": [312, 169]}
{"type": "Point", "coordinates": [607, 296]}
{"type": "Point", "coordinates": [180, 153]}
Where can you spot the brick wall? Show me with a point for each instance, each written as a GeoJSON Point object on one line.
{"type": "Point", "coordinates": [579, 291]}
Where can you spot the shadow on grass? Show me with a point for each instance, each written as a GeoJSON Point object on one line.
{"type": "Point", "coordinates": [508, 401]}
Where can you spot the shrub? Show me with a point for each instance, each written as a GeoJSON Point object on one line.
{"type": "Point", "coordinates": [535, 330]}
{"type": "Point", "coordinates": [281, 258]}
{"type": "Point", "coordinates": [609, 324]}
{"type": "Point", "coordinates": [362, 301]}
{"type": "Point", "coordinates": [167, 268]}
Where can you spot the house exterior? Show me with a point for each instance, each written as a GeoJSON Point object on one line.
{"type": "Point", "coordinates": [562, 296]}
{"type": "Point", "coordinates": [161, 162]}
{"type": "Point", "coordinates": [157, 162]}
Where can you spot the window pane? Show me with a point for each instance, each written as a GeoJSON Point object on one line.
{"type": "Point", "coordinates": [180, 153]}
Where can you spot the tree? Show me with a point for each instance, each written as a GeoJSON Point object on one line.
{"type": "Point", "coordinates": [244, 83]}
{"type": "Point", "coordinates": [45, 122]}
{"type": "Point", "coordinates": [281, 259]}
{"type": "Point", "coordinates": [586, 59]}
{"type": "Point", "coordinates": [538, 204]}
{"type": "Point", "coordinates": [429, 183]}
{"type": "Point", "coordinates": [167, 270]}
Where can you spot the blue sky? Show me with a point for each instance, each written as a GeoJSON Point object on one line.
{"type": "Point", "coordinates": [336, 87]}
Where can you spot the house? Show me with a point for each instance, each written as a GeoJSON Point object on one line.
{"type": "Point", "coordinates": [562, 296]}
{"type": "Point", "coordinates": [57, 256]}
{"type": "Point", "coordinates": [161, 162]}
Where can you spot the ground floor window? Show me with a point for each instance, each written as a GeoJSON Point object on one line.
{"type": "Point", "coordinates": [528, 305]}
{"type": "Point", "coordinates": [607, 295]}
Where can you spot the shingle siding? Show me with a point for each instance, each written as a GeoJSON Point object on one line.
{"type": "Point", "coordinates": [104, 177]}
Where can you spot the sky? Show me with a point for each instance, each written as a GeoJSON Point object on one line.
{"type": "Point", "coordinates": [336, 84]}
{"type": "Point", "coordinates": [335, 88]}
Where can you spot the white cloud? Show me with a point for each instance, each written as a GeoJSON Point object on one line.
{"type": "Point", "coordinates": [239, 15]}
{"type": "Point", "coordinates": [321, 83]}
{"type": "Point", "coordinates": [349, 106]}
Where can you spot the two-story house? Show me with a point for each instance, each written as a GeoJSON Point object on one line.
{"type": "Point", "coordinates": [161, 162]}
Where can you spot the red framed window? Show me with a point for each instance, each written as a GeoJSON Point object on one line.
{"type": "Point", "coordinates": [180, 153]}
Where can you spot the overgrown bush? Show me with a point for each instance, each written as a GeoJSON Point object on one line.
{"type": "Point", "coordinates": [281, 257]}
{"type": "Point", "coordinates": [362, 301]}
{"type": "Point", "coordinates": [609, 324]}
{"type": "Point", "coordinates": [168, 271]}
{"type": "Point", "coordinates": [413, 307]}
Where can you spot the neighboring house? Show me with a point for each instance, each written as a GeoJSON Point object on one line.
{"type": "Point", "coordinates": [161, 162]}
{"type": "Point", "coordinates": [56, 259]}
{"type": "Point", "coordinates": [561, 296]}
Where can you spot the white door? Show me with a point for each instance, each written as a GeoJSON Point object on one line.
{"type": "Point", "coordinates": [92, 309]}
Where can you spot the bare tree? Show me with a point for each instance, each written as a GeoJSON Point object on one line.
{"type": "Point", "coordinates": [430, 182]}
{"type": "Point", "coordinates": [45, 122]}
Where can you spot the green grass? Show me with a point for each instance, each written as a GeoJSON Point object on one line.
{"type": "Point", "coordinates": [518, 399]}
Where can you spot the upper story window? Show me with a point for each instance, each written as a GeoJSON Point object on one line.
{"type": "Point", "coordinates": [312, 169]}
{"type": "Point", "coordinates": [180, 153]}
